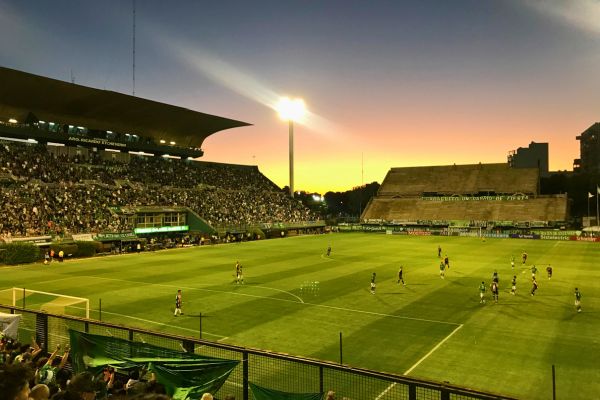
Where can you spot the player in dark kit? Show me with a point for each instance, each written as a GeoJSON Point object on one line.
{"type": "Point", "coordinates": [577, 300]}
{"type": "Point", "coordinates": [495, 277]}
{"type": "Point", "coordinates": [178, 303]}
{"type": "Point", "coordinates": [524, 256]}
{"type": "Point", "coordinates": [447, 261]}
{"type": "Point", "coordinates": [328, 250]}
{"type": "Point", "coordinates": [439, 251]}
{"type": "Point", "coordinates": [514, 285]}
{"type": "Point", "coordinates": [239, 274]}
{"type": "Point", "coordinates": [373, 285]}
{"type": "Point", "coordinates": [400, 279]}
{"type": "Point", "coordinates": [495, 291]}
{"type": "Point", "coordinates": [534, 287]}
{"type": "Point", "coordinates": [549, 271]}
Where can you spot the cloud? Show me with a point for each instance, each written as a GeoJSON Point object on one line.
{"type": "Point", "coordinates": [582, 14]}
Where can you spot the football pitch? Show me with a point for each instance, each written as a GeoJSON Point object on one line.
{"type": "Point", "coordinates": [430, 328]}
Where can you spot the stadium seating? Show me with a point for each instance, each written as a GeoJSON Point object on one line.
{"type": "Point", "coordinates": [476, 192]}
{"type": "Point", "coordinates": [407, 209]}
{"type": "Point", "coordinates": [459, 179]}
{"type": "Point", "coordinates": [54, 191]}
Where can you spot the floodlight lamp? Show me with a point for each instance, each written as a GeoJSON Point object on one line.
{"type": "Point", "coordinates": [12, 121]}
{"type": "Point", "coordinates": [172, 143]}
{"type": "Point", "coordinates": [291, 110]}
{"type": "Point", "coordinates": [162, 141]}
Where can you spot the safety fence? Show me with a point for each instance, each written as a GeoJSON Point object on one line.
{"type": "Point", "coordinates": [276, 371]}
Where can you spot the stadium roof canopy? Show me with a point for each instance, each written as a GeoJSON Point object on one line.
{"type": "Point", "coordinates": [51, 100]}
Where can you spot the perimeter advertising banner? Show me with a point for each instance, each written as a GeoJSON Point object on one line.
{"type": "Point", "coordinates": [585, 239]}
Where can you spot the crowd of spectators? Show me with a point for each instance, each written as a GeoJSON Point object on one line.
{"type": "Point", "coordinates": [45, 193]}
{"type": "Point", "coordinates": [27, 374]}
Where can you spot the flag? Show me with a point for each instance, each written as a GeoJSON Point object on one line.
{"type": "Point", "coordinates": [590, 195]}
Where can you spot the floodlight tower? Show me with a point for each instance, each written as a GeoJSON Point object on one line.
{"type": "Point", "coordinates": [291, 110]}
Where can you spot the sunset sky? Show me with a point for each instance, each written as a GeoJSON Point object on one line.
{"type": "Point", "coordinates": [388, 83]}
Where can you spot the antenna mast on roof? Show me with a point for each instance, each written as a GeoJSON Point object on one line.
{"type": "Point", "coordinates": [134, 47]}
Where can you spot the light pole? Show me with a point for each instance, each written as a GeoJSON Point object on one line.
{"type": "Point", "coordinates": [291, 110]}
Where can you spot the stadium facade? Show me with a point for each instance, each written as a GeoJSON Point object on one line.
{"type": "Point", "coordinates": [589, 149]}
{"type": "Point", "coordinates": [533, 156]}
{"type": "Point", "coordinates": [475, 195]}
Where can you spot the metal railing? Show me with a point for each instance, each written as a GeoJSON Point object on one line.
{"type": "Point", "coordinates": [272, 370]}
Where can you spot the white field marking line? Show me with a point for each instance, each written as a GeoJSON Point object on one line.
{"type": "Point", "coordinates": [163, 324]}
{"type": "Point", "coordinates": [385, 391]}
{"type": "Point", "coordinates": [51, 280]}
{"type": "Point", "coordinates": [279, 290]}
{"type": "Point", "coordinates": [207, 290]}
{"type": "Point", "coordinates": [289, 301]}
{"type": "Point", "coordinates": [432, 350]}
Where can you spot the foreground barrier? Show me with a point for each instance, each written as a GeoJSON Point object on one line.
{"type": "Point", "coordinates": [267, 369]}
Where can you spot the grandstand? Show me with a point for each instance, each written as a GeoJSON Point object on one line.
{"type": "Point", "coordinates": [475, 194]}
{"type": "Point", "coordinates": [74, 157]}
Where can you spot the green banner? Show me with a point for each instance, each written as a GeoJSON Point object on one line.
{"type": "Point", "coordinates": [179, 228]}
{"type": "Point", "coordinates": [106, 236]}
{"type": "Point", "coordinates": [261, 393]}
{"type": "Point", "coordinates": [184, 375]}
{"type": "Point", "coordinates": [476, 198]}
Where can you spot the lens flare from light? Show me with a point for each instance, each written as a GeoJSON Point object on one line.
{"type": "Point", "coordinates": [291, 109]}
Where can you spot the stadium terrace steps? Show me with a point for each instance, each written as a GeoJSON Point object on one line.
{"type": "Point", "coordinates": [477, 192]}
{"type": "Point", "coordinates": [459, 179]}
{"type": "Point", "coordinates": [534, 209]}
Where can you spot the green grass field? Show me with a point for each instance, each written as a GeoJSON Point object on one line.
{"type": "Point", "coordinates": [431, 328]}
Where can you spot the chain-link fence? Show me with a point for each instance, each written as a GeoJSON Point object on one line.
{"type": "Point", "coordinates": [271, 370]}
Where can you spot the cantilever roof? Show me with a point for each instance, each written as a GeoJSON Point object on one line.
{"type": "Point", "coordinates": [56, 101]}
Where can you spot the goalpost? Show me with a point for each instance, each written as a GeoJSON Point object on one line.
{"type": "Point", "coordinates": [53, 302]}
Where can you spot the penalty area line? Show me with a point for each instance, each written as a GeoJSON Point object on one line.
{"type": "Point", "coordinates": [408, 371]}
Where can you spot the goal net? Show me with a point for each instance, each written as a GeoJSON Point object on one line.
{"type": "Point", "coordinates": [54, 303]}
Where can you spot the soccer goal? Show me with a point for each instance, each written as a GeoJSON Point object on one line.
{"type": "Point", "coordinates": [54, 303]}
